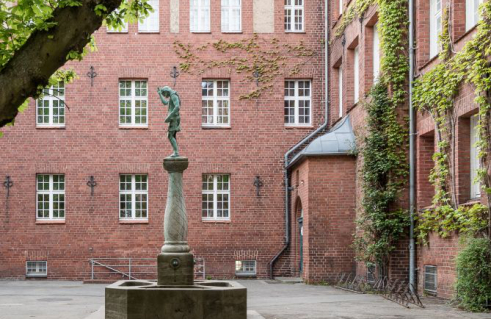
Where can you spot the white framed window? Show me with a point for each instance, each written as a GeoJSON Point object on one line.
{"type": "Point", "coordinates": [50, 199]}
{"type": "Point", "coordinates": [133, 103]}
{"type": "Point", "coordinates": [231, 15]}
{"type": "Point", "coordinates": [474, 158]}
{"type": "Point", "coordinates": [435, 26]}
{"type": "Point", "coordinates": [376, 53]}
{"type": "Point", "coordinates": [133, 196]}
{"type": "Point", "coordinates": [215, 197]}
{"type": "Point", "coordinates": [294, 16]}
{"type": "Point", "coordinates": [50, 109]}
{"type": "Point", "coordinates": [36, 269]}
{"type": "Point", "coordinates": [297, 103]}
{"type": "Point", "coordinates": [430, 279]}
{"type": "Point", "coordinates": [199, 16]}
{"type": "Point", "coordinates": [151, 23]}
{"type": "Point", "coordinates": [356, 75]}
{"type": "Point", "coordinates": [215, 103]}
{"type": "Point", "coordinates": [245, 267]}
{"type": "Point", "coordinates": [471, 13]}
{"type": "Point", "coordinates": [340, 7]}
{"type": "Point", "coordinates": [340, 90]}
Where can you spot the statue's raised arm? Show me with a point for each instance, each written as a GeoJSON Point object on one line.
{"type": "Point", "coordinates": [173, 116]}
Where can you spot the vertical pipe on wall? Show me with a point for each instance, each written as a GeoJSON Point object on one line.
{"type": "Point", "coordinates": [412, 197]}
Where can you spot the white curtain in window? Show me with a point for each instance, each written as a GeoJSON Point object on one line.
{"type": "Point", "coordinates": [340, 85]}
{"type": "Point", "coordinates": [231, 16]}
{"type": "Point", "coordinates": [435, 26]}
{"type": "Point", "coordinates": [200, 15]}
{"type": "Point", "coordinates": [376, 53]}
{"type": "Point", "coordinates": [151, 23]}
{"type": "Point", "coordinates": [356, 75]}
{"type": "Point", "coordinates": [475, 184]}
{"type": "Point", "coordinates": [471, 13]}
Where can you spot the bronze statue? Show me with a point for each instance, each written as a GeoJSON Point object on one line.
{"type": "Point", "coordinates": [173, 117]}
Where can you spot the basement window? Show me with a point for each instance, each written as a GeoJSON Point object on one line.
{"type": "Point", "coordinates": [37, 269]}
{"type": "Point", "coordinates": [430, 283]}
{"type": "Point", "coordinates": [245, 267]}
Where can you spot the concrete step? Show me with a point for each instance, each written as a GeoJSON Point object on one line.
{"type": "Point", "coordinates": [289, 280]}
{"type": "Point", "coordinates": [100, 313]}
{"type": "Point", "coordinates": [100, 281]}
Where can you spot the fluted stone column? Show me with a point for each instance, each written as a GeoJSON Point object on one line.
{"type": "Point", "coordinates": [175, 263]}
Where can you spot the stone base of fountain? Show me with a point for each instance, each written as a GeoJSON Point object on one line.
{"type": "Point", "coordinates": [143, 299]}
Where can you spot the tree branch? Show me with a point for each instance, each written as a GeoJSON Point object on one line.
{"type": "Point", "coordinates": [45, 52]}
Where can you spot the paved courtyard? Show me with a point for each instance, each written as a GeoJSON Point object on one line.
{"type": "Point", "coordinates": [74, 300]}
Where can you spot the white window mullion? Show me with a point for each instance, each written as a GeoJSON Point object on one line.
{"type": "Point", "coordinates": [215, 197]}
{"type": "Point", "coordinates": [133, 98]}
{"type": "Point", "coordinates": [297, 107]}
{"type": "Point", "coordinates": [340, 78]}
{"type": "Point", "coordinates": [51, 196]}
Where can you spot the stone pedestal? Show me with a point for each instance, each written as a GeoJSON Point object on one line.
{"type": "Point", "coordinates": [175, 295]}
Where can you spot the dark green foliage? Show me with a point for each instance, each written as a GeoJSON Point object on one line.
{"type": "Point", "coordinates": [474, 274]}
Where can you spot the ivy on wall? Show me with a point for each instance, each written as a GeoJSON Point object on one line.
{"type": "Point", "coordinates": [382, 222]}
{"type": "Point", "coordinates": [246, 56]}
{"type": "Point", "coordinates": [434, 93]}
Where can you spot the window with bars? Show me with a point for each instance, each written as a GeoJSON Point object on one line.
{"type": "Point", "coordinates": [294, 16]}
{"type": "Point", "coordinates": [245, 267]}
{"type": "Point", "coordinates": [216, 197]}
{"type": "Point", "coordinates": [36, 269]}
{"type": "Point", "coordinates": [472, 13]}
{"type": "Point", "coordinates": [199, 16]}
{"type": "Point", "coordinates": [50, 109]}
{"type": "Point", "coordinates": [430, 282]}
{"type": "Point", "coordinates": [435, 26]}
{"type": "Point", "coordinates": [297, 103]}
{"type": "Point", "coordinates": [133, 103]}
{"type": "Point", "coordinates": [50, 201]}
{"type": "Point", "coordinates": [215, 95]}
{"type": "Point", "coordinates": [151, 23]}
{"type": "Point", "coordinates": [133, 196]}
{"type": "Point", "coordinates": [231, 16]}
{"type": "Point", "coordinates": [474, 158]}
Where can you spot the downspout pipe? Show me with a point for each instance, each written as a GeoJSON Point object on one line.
{"type": "Point", "coordinates": [304, 140]}
{"type": "Point", "coordinates": [412, 197]}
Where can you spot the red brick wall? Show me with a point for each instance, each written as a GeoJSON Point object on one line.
{"type": "Point", "coordinates": [328, 199]}
{"type": "Point", "coordinates": [93, 144]}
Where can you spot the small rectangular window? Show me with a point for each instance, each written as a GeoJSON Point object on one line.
{"type": "Point", "coordinates": [474, 158]}
{"type": "Point", "coordinates": [36, 269]}
{"type": "Point", "coordinates": [435, 26]}
{"type": "Point", "coordinates": [215, 102]}
{"type": "Point", "coordinates": [216, 197]}
{"type": "Point", "coordinates": [430, 280]}
{"type": "Point", "coordinates": [199, 15]}
{"type": "Point", "coordinates": [151, 23]}
{"type": "Point", "coordinates": [133, 103]}
{"type": "Point", "coordinates": [356, 75]}
{"type": "Point", "coordinates": [294, 16]}
{"type": "Point", "coordinates": [50, 201]}
{"type": "Point", "coordinates": [245, 267]}
{"type": "Point", "coordinates": [231, 16]}
{"type": "Point", "coordinates": [297, 103]}
{"type": "Point", "coordinates": [50, 108]}
{"type": "Point", "coordinates": [472, 15]}
{"type": "Point", "coordinates": [133, 197]}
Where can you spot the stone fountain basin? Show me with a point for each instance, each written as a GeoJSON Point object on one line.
{"type": "Point", "coordinates": [144, 299]}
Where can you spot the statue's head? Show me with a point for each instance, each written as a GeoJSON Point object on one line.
{"type": "Point", "coordinates": [166, 91]}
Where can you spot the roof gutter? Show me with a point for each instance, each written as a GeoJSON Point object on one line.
{"type": "Point", "coordinates": [304, 140]}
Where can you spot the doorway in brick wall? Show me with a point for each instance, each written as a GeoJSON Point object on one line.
{"type": "Point", "coordinates": [299, 237]}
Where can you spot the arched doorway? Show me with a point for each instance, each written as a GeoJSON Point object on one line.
{"type": "Point", "coordinates": [299, 219]}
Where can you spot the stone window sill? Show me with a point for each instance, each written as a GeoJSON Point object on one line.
{"type": "Point", "coordinates": [216, 221]}
{"type": "Point", "coordinates": [124, 221]}
{"type": "Point", "coordinates": [47, 222]}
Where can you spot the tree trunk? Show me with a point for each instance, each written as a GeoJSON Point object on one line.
{"type": "Point", "coordinates": [45, 52]}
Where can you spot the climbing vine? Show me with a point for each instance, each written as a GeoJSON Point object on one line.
{"type": "Point", "coordinates": [246, 56]}
{"type": "Point", "coordinates": [434, 93]}
{"type": "Point", "coordinates": [355, 10]}
{"type": "Point", "coordinates": [382, 222]}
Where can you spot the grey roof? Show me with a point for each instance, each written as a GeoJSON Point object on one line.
{"type": "Point", "coordinates": [339, 140]}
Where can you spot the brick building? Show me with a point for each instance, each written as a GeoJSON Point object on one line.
{"type": "Point", "coordinates": [246, 216]}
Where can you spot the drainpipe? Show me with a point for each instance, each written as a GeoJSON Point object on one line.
{"type": "Point", "coordinates": [303, 141]}
{"type": "Point", "coordinates": [412, 255]}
